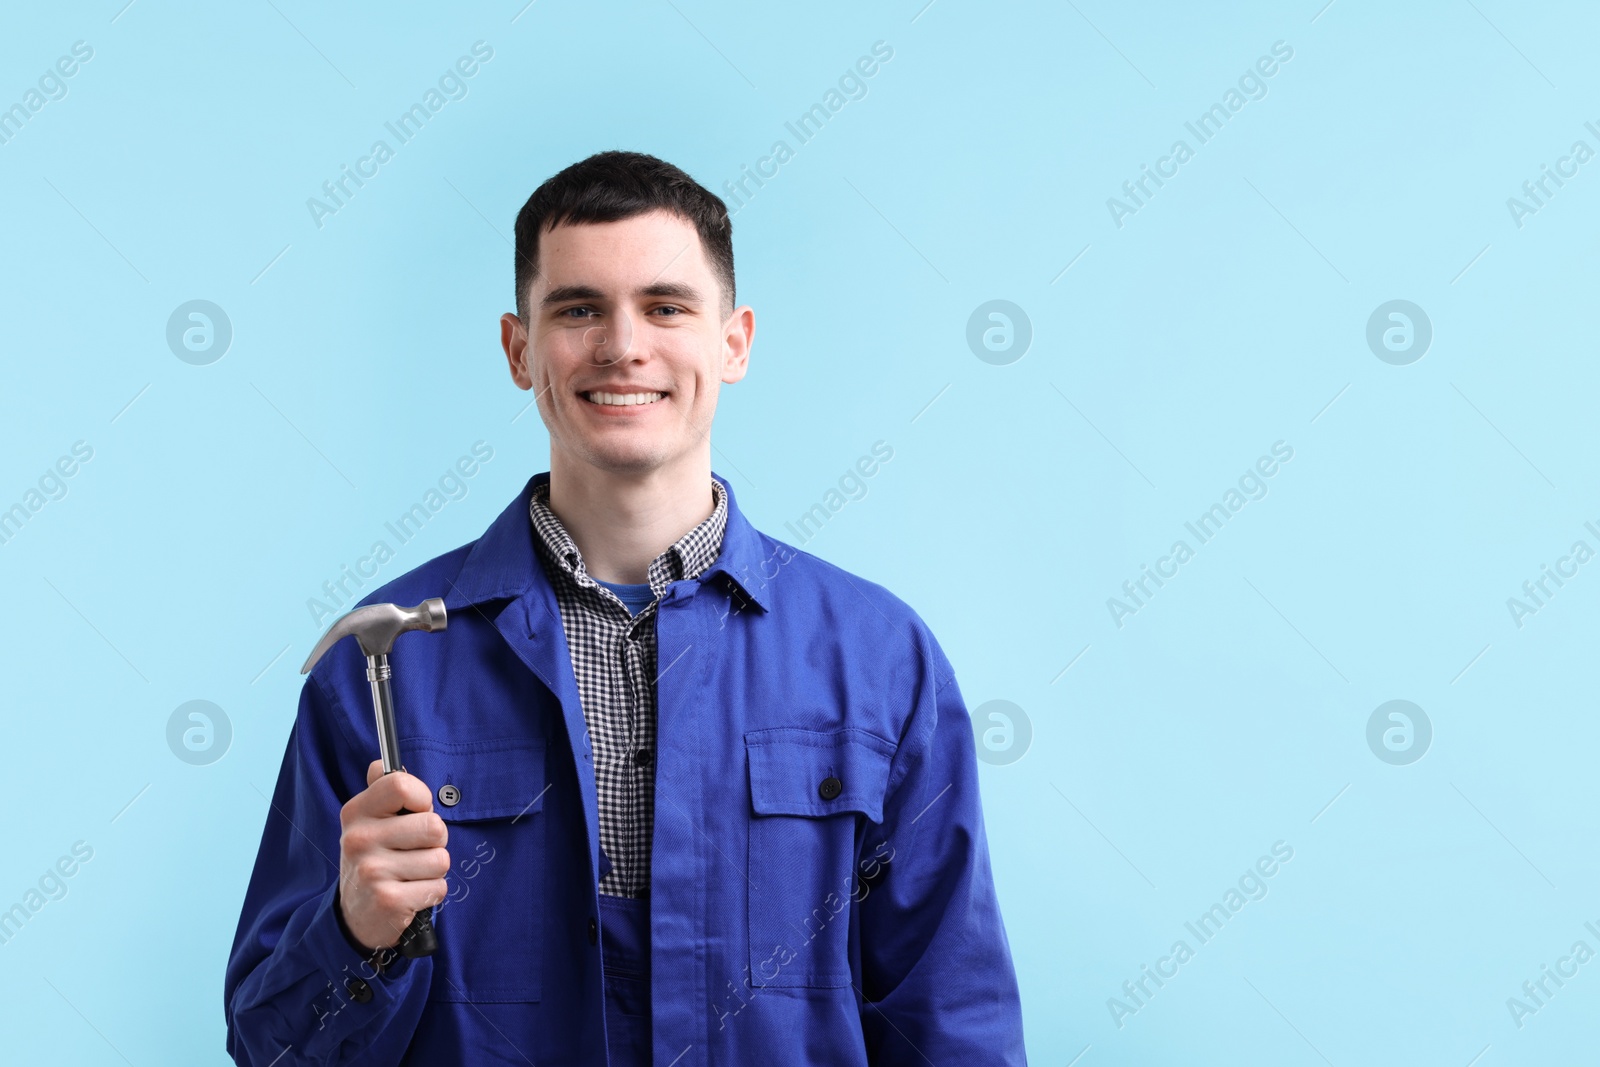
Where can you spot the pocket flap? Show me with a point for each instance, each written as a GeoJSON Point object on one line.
{"type": "Point", "coordinates": [818, 772]}
{"type": "Point", "coordinates": [501, 779]}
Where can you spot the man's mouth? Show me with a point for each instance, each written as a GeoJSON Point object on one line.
{"type": "Point", "coordinates": [621, 399]}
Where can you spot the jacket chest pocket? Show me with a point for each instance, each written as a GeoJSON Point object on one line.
{"type": "Point", "coordinates": [491, 796]}
{"type": "Point", "coordinates": [811, 794]}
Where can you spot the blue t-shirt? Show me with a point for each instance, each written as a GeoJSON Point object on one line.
{"type": "Point", "coordinates": [635, 597]}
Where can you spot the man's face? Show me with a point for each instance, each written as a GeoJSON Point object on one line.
{"type": "Point", "coordinates": [625, 344]}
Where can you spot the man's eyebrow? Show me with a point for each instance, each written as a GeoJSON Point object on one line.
{"type": "Point", "coordinates": [670, 290]}
{"type": "Point", "coordinates": [563, 293]}
{"type": "Point", "coordinates": [673, 291]}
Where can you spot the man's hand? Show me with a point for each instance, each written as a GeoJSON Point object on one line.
{"type": "Point", "coordinates": [390, 866]}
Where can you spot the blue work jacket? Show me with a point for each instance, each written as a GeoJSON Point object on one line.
{"type": "Point", "coordinates": [820, 883]}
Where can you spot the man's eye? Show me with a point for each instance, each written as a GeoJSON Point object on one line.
{"type": "Point", "coordinates": [583, 312]}
{"type": "Point", "coordinates": [675, 311]}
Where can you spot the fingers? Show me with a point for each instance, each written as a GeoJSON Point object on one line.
{"type": "Point", "coordinates": [386, 795]}
{"type": "Point", "coordinates": [420, 830]}
{"type": "Point", "coordinates": [374, 771]}
{"type": "Point", "coordinates": [400, 901]}
{"type": "Point", "coordinates": [391, 832]}
{"type": "Point", "coordinates": [426, 866]}
{"type": "Point", "coordinates": [378, 915]}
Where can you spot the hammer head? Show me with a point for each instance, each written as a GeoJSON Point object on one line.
{"type": "Point", "coordinates": [377, 625]}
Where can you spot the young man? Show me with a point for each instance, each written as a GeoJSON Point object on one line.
{"type": "Point", "coordinates": [679, 792]}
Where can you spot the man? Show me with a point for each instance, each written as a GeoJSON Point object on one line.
{"type": "Point", "coordinates": [679, 792]}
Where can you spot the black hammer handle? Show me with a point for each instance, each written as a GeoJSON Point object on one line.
{"type": "Point", "coordinates": [420, 938]}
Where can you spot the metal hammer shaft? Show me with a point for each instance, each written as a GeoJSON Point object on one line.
{"type": "Point", "coordinates": [378, 674]}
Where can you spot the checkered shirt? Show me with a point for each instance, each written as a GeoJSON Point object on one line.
{"type": "Point", "coordinates": [614, 660]}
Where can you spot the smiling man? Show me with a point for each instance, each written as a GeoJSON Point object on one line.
{"type": "Point", "coordinates": [677, 792]}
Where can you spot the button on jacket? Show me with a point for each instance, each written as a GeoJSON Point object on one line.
{"type": "Point", "coordinates": [820, 888]}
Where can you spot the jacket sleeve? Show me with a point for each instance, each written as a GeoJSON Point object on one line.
{"type": "Point", "coordinates": [295, 990]}
{"type": "Point", "coordinates": [938, 985]}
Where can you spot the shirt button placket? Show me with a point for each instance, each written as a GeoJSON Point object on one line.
{"type": "Point", "coordinates": [638, 707]}
{"type": "Point", "coordinates": [626, 769]}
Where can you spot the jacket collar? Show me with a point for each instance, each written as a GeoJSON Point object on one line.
{"type": "Point", "coordinates": [503, 564]}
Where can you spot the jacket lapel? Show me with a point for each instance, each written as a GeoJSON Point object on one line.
{"type": "Point", "coordinates": [502, 565]}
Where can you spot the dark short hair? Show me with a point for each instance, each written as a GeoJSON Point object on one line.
{"type": "Point", "coordinates": [611, 186]}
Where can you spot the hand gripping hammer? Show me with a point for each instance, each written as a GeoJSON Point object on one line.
{"type": "Point", "coordinates": [375, 627]}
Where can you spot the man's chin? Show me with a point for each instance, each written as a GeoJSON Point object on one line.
{"type": "Point", "coordinates": [619, 458]}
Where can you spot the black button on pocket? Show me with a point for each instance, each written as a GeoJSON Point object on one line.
{"type": "Point", "coordinates": [359, 990]}
{"type": "Point", "coordinates": [812, 794]}
{"type": "Point", "coordinates": [594, 931]}
{"type": "Point", "coordinates": [641, 758]}
{"type": "Point", "coordinates": [491, 794]}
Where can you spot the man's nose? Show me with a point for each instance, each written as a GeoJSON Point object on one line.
{"type": "Point", "coordinates": [610, 340]}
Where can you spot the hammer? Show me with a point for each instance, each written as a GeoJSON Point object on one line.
{"type": "Point", "coordinates": [375, 627]}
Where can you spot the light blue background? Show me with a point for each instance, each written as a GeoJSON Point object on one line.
{"type": "Point", "coordinates": [1229, 313]}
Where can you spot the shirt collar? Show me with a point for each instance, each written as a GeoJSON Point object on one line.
{"type": "Point", "coordinates": [688, 557]}
{"type": "Point", "coordinates": [503, 564]}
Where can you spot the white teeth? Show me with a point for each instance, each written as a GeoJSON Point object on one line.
{"type": "Point", "coordinates": [623, 399]}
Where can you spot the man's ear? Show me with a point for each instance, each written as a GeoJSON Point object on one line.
{"type": "Point", "coordinates": [514, 339]}
{"type": "Point", "coordinates": [738, 334]}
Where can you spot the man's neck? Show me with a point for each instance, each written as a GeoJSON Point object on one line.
{"type": "Point", "coordinates": [619, 521]}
